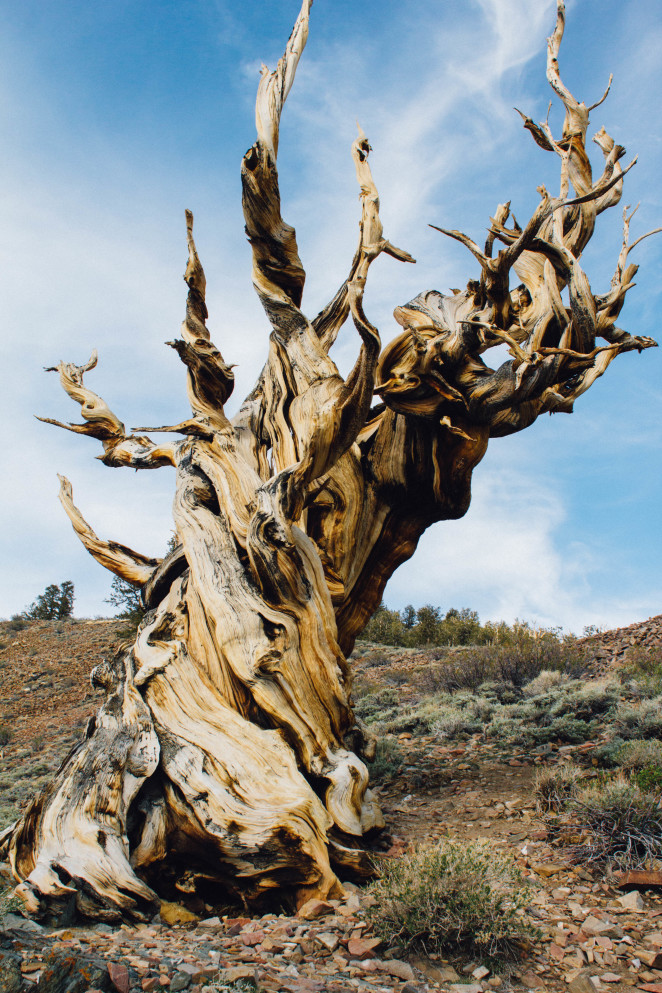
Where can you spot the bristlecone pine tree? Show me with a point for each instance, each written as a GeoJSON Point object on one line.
{"type": "Point", "coordinates": [226, 760]}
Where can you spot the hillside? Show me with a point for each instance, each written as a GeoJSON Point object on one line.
{"type": "Point", "coordinates": [454, 762]}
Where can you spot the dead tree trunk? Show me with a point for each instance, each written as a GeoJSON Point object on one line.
{"type": "Point", "coordinates": [226, 759]}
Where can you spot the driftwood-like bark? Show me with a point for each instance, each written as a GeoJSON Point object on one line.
{"type": "Point", "coordinates": [227, 759]}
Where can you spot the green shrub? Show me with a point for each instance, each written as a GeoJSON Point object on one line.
{"type": "Point", "coordinates": [455, 895]}
{"type": "Point", "coordinates": [388, 761]}
{"type": "Point", "coordinates": [546, 680]}
{"type": "Point", "coordinates": [379, 705]}
{"type": "Point", "coordinates": [649, 778]}
{"type": "Point", "coordinates": [586, 700]}
{"type": "Point", "coordinates": [644, 665]}
{"type": "Point", "coordinates": [566, 729]}
{"type": "Point", "coordinates": [498, 690]}
{"type": "Point", "coordinates": [555, 785]}
{"type": "Point", "coordinates": [451, 722]}
{"type": "Point", "coordinates": [640, 754]}
{"type": "Point", "coordinates": [17, 623]}
{"type": "Point", "coordinates": [608, 756]}
{"type": "Point", "coordinates": [640, 720]}
{"type": "Point", "coordinates": [625, 822]}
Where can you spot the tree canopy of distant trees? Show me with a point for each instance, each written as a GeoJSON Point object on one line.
{"type": "Point", "coordinates": [55, 603]}
{"type": "Point", "coordinates": [430, 626]}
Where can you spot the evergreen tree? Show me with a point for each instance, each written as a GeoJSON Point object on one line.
{"type": "Point", "coordinates": [55, 603]}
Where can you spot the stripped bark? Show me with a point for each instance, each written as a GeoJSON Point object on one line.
{"type": "Point", "coordinates": [226, 759]}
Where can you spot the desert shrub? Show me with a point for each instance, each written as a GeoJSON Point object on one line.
{"type": "Point", "coordinates": [644, 665]}
{"type": "Point", "coordinates": [505, 729]}
{"type": "Point", "coordinates": [483, 709]}
{"type": "Point", "coordinates": [640, 720]}
{"type": "Point", "coordinates": [546, 680]}
{"type": "Point", "coordinates": [503, 692]}
{"type": "Point", "coordinates": [608, 755]}
{"type": "Point", "coordinates": [649, 778]}
{"type": "Point", "coordinates": [625, 822]}
{"type": "Point", "coordinates": [451, 722]}
{"type": "Point", "coordinates": [378, 705]}
{"type": "Point", "coordinates": [454, 895]}
{"type": "Point", "coordinates": [586, 700]}
{"type": "Point", "coordinates": [555, 785]}
{"type": "Point", "coordinates": [640, 754]}
{"type": "Point", "coordinates": [566, 729]}
{"type": "Point", "coordinates": [5, 735]}
{"type": "Point", "coordinates": [222, 985]}
{"type": "Point", "coordinates": [388, 760]}
{"type": "Point", "coordinates": [18, 622]}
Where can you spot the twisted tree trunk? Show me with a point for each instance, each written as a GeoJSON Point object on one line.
{"type": "Point", "coordinates": [226, 759]}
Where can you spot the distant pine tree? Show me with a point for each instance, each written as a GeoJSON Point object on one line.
{"type": "Point", "coordinates": [55, 603]}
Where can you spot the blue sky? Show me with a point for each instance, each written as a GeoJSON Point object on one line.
{"type": "Point", "coordinates": [119, 114]}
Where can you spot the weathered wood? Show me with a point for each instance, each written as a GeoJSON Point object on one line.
{"type": "Point", "coordinates": [227, 758]}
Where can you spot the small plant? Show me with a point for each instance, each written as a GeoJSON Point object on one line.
{"type": "Point", "coordinates": [388, 761]}
{"type": "Point", "coordinates": [624, 820]}
{"type": "Point", "coordinates": [451, 722]}
{"type": "Point", "coordinates": [649, 778]}
{"type": "Point", "coordinates": [641, 720]}
{"type": "Point", "coordinates": [546, 680]}
{"type": "Point", "coordinates": [5, 735]}
{"type": "Point", "coordinates": [452, 896]}
{"type": "Point", "coordinates": [640, 754]}
{"type": "Point", "coordinates": [644, 665]}
{"type": "Point", "coordinates": [18, 622]}
{"type": "Point", "coordinates": [566, 729]}
{"type": "Point", "coordinates": [220, 985]}
{"type": "Point", "coordinates": [587, 700]}
{"type": "Point", "coordinates": [555, 785]}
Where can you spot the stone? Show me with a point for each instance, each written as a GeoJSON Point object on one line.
{"type": "Point", "coordinates": [639, 877]}
{"type": "Point", "coordinates": [651, 987]}
{"type": "Point", "coordinates": [11, 980]}
{"type": "Point", "coordinates": [547, 869]}
{"type": "Point", "coordinates": [363, 948]}
{"type": "Point", "coordinates": [10, 921]}
{"type": "Point", "coordinates": [594, 926]}
{"type": "Point", "coordinates": [468, 988]}
{"type": "Point", "coordinates": [401, 970]}
{"type": "Point", "coordinates": [441, 974]}
{"type": "Point", "coordinates": [610, 977]}
{"type": "Point", "coordinates": [652, 959]}
{"type": "Point", "coordinates": [68, 973]}
{"type": "Point", "coordinates": [482, 972]}
{"type": "Point", "coordinates": [313, 909]}
{"type": "Point", "coordinates": [174, 913]}
{"type": "Point", "coordinates": [180, 981]}
{"type": "Point", "coordinates": [533, 980]}
{"type": "Point", "coordinates": [328, 939]}
{"type": "Point", "coordinates": [150, 984]}
{"type": "Point", "coordinates": [119, 976]}
{"type": "Point", "coordinates": [631, 901]}
{"type": "Point", "coordinates": [237, 972]}
{"type": "Point", "coordinates": [582, 983]}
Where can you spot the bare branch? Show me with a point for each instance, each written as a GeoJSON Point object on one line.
{"type": "Point", "coordinates": [604, 95]}
{"type": "Point", "coordinates": [123, 561]}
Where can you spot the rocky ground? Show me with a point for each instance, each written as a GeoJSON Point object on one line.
{"type": "Point", "coordinates": [597, 931]}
